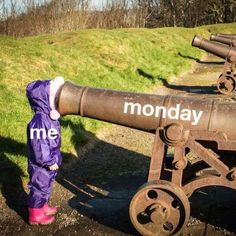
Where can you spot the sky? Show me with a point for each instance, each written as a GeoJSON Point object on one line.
{"type": "Point", "coordinates": [19, 3]}
{"type": "Point", "coordinates": [97, 3]}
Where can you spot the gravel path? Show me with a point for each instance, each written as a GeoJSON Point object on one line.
{"type": "Point", "coordinates": [94, 191]}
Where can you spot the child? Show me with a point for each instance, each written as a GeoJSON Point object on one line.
{"type": "Point", "coordinates": [43, 140]}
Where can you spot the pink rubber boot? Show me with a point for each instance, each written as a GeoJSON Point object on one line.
{"type": "Point", "coordinates": [49, 210]}
{"type": "Point", "coordinates": [38, 217]}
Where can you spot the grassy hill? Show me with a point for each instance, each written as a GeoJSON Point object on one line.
{"type": "Point", "coordinates": [124, 59]}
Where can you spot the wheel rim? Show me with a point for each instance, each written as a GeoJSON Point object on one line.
{"type": "Point", "coordinates": [226, 84]}
{"type": "Point", "coordinates": [159, 209]}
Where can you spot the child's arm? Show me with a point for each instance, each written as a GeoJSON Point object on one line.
{"type": "Point", "coordinates": [40, 146]}
{"type": "Point", "coordinates": [42, 152]}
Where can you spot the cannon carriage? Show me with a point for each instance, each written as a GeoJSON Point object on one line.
{"type": "Point", "coordinates": [202, 126]}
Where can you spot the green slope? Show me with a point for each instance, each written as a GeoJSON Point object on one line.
{"type": "Point", "coordinates": [99, 58]}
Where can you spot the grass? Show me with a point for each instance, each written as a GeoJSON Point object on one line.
{"type": "Point", "coordinates": [123, 59]}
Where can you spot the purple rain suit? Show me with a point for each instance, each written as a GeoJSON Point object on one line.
{"type": "Point", "coordinates": [42, 152]}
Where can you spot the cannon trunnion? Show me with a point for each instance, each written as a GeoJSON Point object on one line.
{"type": "Point", "coordinates": [204, 127]}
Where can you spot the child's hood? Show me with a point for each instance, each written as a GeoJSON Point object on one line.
{"type": "Point", "coordinates": [38, 95]}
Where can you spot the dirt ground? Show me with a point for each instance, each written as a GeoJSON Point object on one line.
{"type": "Point", "coordinates": [93, 191]}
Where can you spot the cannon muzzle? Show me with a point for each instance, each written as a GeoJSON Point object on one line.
{"type": "Point", "coordinates": [217, 49]}
{"type": "Point", "coordinates": [224, 40]}
{"type": "Point", "coordinates": [147, 112]}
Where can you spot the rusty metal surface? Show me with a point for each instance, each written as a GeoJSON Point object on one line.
{"type": "Point", "coordinates": [109, 105]}
{"type": "Point", "coordinates": [159, 208]}
{"type": "Point", "coordinates": [227, 35]}
{"type": "Point", "coordinates": [170, 180]}
{"type": "Point", "coordinates": [226, 83]}
{"type": "Point", "coordinates": [221, 39]}
{"type": "Point", "coordinates": [217, 49]}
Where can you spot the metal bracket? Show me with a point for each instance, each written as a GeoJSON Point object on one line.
{"type": "Point", "coordinates": [207, 170]}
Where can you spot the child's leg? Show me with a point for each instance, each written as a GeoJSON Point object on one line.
{"type": "Point", "coordinates": [47, 209]}
{"type": "Point", "coordinates": [40, 189]}
{"type": "Point", "coordinates": [40, 186]}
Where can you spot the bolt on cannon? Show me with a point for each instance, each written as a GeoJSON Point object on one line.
{"type": "Point", "coordinates": [161, 206]}
{"type": "Point", "coordinates": [226, 83]}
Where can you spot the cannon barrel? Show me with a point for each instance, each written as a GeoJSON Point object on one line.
{"type": "Point", "coordinates": [147, 112]}
{"type": "Point", "coordinates": [217, 49]}
{"type": "Point", "coordinates": [221, 39]}
{"type": "Point", "coordinates": [233, 36]}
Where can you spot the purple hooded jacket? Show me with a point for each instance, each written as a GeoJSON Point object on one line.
{"type": "Point", "coordinates": [43, 151]}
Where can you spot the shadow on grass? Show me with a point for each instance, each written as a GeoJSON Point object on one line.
{"type": "Point", "coordinates": [79, 136]}
{"type": "Point", "coordinates": [198, 89]}
{"type": "Point", "coordinates": [200, 61]}
{"type": "Point", "coordinates": [146, 75]}
{"type": "Point", "coordinates": [191, 89]}
{"type": "Point", "coordinates": [11, 177]}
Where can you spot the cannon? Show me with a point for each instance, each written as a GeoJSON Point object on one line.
{"type": "Point", "coordinates": [229, 41]}
{"type": "Point", "coordinates": [227, 35]}
{"type": "Point", "coordinates": [203, 126]}
{"type": "Point", "coordinates": [226, 82]}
